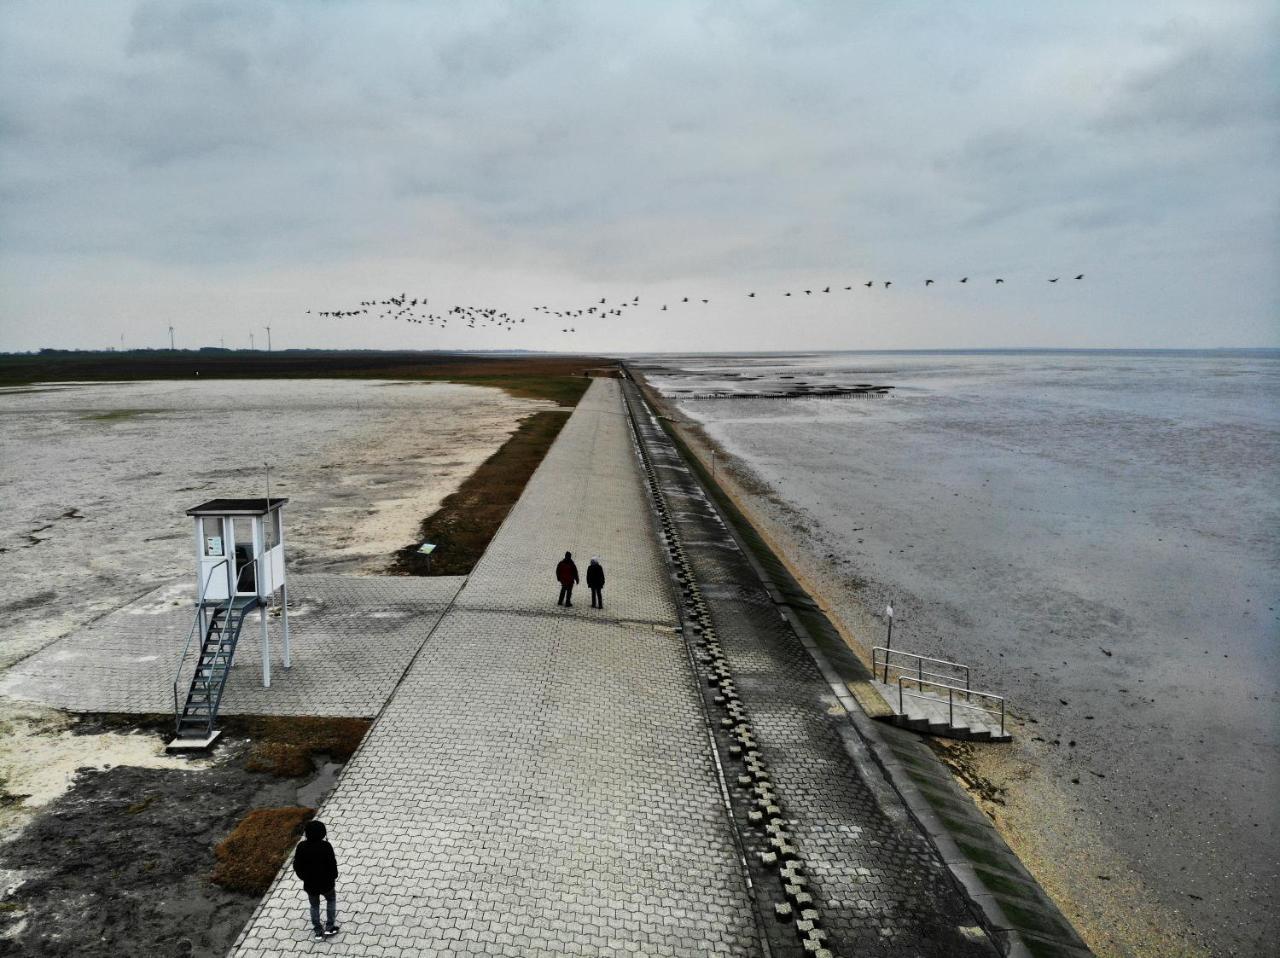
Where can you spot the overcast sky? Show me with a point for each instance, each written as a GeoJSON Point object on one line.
{"type": "Point", "coordinates": [221, 166]}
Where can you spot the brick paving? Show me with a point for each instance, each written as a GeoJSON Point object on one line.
{"type": "Point", "coordinates": [880, 885]}
{"type": "Point", "coordinates": [587, 498]}
{"type": "Point", "coordinates": [352, 639]}
{"type": "Point", "coordinates": [540, 784]}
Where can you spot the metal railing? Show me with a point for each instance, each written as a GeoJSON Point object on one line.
{"type": "Point", "coordinates": [881, 662]}
{"type": "Point", "coordinates": [952, 704]}
{"type": "Point", "coordinates": [195, 621]}
{"type": "Point", "coordinates": [186, 646]}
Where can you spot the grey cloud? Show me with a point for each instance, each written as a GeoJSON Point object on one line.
{"type": "Point", "coordinates": [711, 142]}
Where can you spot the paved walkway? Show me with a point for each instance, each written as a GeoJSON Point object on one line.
{"type": "Point", "coordinates": [540, 784]}
{"type": "Point", "coordinates": [353, 637]}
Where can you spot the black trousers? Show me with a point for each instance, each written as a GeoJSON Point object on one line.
{"type": "Point", "coordinates": [331, 910]}
{"type": "Point", "coordinates": [597, 598]}
{"type": "Point", "coordinates": [566, 595]}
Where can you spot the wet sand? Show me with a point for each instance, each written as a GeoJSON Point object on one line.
{"type": "Point", "coordinates": [95, 480]}
{"type": "Point", "coordinates": [1154, 841]}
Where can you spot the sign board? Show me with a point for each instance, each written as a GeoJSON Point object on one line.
{"type": "Point", "coordinates": [213, 545]}
{"type": "Point", "coordinates": [427, 548]}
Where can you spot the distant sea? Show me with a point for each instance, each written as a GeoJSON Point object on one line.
{"type": "Point", "coordinates": [1098, 533]}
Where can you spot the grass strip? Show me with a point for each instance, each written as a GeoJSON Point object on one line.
{"type": "Point", "coordinates": [249, 858]}
{"type": "Point", "coordinates": [283, 745]}
{"type": "Point", "coordinates": [467, 520]}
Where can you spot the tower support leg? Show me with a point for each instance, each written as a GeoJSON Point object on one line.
{"type": "Point", "coordinates": [284, 605]}
{"type": "Point", "coordinates": [266, 647]}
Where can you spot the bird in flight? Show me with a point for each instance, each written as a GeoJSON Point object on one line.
{"type": "Point", "coordinates": [965, 280]}
{"type": "Point", "coordinates": [751, 295]}
{"type": "Point", "coordinates": [1055, 279]}
{"type": "Point", "coordinates": [928, 282]}
{"type": "Point", "coordinates": [999, 280]}
{"type": "Point", "coordinates": [1081, 276]}
{"type": "Point", "coordinates": [868, 284]}
{"type": "Point", "coordinates": [888, 283]}
{"type": "Point", "coordinates": [827, 290]}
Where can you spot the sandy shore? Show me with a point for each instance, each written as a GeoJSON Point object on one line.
{"type": "Point", "coordinates": [1050, 830]}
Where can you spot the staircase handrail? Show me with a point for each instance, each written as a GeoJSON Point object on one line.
{"type": "Point", "coordinates": [186, 647]}
{"type": "Point", "coordinates": [919, 671]}
{"type": "Point", "coordinates": [952, 704]}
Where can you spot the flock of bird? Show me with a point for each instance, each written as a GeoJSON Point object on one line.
{"type": "Point", "coordinates": [416, 310]}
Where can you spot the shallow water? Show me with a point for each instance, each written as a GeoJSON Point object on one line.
{"type": "Point", "coordinates": [1097, 534]}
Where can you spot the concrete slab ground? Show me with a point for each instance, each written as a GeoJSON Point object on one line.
{"type": "Point", "coordinates": [352, 639]}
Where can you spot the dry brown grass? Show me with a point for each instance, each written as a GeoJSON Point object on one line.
{"type": "Point", "coordinates": [249, 858]}
{"type": "Point", "coordinates": [283, 745]}
{"type": "Point", "coordinates": [468, 519]}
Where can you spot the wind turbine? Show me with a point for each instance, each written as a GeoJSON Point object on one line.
{"type": "Point", "coordinates": [171, 339]}
{"type": "Point", "coordinates": [268, 329]}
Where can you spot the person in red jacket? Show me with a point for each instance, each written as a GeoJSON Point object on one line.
{"type": "Point", "coordinates": [567, 576]}
{"type": "Point", "coordinates": [315, 863]}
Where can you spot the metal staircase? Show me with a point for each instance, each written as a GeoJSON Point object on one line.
{"type": "Point", "coordinates": [218, 647]}
{"type": "Point", "coordinates": [219, 622]}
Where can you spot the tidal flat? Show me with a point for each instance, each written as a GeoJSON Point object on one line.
{"type": "Point", "coordinates": [1096, 534]}
{"type": "Point", "coordinates": [95, 479]}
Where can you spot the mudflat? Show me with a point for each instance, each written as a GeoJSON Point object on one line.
{"type": "Point", "coordinates": [1087, 531]}
{"type": "Point", "coordinates": [95, 479]}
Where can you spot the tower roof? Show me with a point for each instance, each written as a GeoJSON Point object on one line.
{"type": "Point", "coordinates": [236, 507]}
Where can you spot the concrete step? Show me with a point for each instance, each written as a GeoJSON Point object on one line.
{"type": "Point", "coordinates": [929, 716]}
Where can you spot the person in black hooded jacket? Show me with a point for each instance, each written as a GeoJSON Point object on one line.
{"type": "Point", "coordinates": [595, 582]}
{"type": "Point", "coordinates": [315, 863]}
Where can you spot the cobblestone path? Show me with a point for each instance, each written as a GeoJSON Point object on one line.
{"type": "Point", "coordinates": [352, 638]}
{"type": "Point", "coordinates": [541, 782]}
{"type": "Point", "coordinates": [879, 885]}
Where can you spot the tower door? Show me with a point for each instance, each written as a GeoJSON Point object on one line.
{"type": "Point", "coordinates": [248, 545]}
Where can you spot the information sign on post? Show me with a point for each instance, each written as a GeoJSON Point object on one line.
{"type": "Point", "coordinates": [426, 549]}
